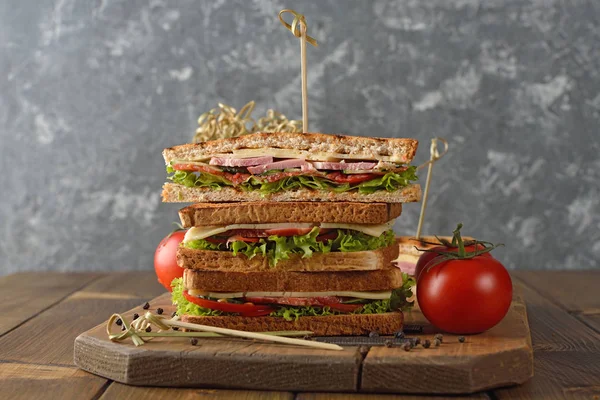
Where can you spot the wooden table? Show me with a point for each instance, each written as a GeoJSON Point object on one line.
{"type": "Point", "coordinates": [42, 313]}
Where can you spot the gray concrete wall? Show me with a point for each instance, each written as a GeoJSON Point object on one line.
{"type": "Point", "coordinates": [92, 91]}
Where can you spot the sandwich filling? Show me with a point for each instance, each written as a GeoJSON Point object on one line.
{"type": "Point", "coordinates": [271, 174]}
{"type": "Point", "coordinates": [279, 241]}
{"type": "Point", "coordinates": [290, 306]}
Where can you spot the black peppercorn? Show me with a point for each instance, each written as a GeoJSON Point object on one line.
{"type": "Point", "coordinates": [437, 342]}
{"type": "Point", "coordinates": [399, 335]}
{"type": "Point", "coordinates": [461, 339]}
{"type": "Point", "coordinates": [159, 311]}
{"type": "Point", "coordinates": [135, 316]}
{"type": "Point", "coordinates": [427, 343]}
{"type": "Point", "coordinates": [373, 334]}
{"type": "Point", "coordinates": [149, 329]}
{"type": "Point", "coordinates": [417, 341]}
{"type": "Point", "coordinates": [146, 306]}
{"type": "Point", "coordinates": [389, 343]}
{"type": "Point", "coordinates": [439, 337]}
{"type": "Point", "coordinates": [194, 341]}
{"type": "Point", "coordinates": [175, 328]}
{"type": "Point", "coordinates": [406, 347]}
{"type": "Point", "coordinates": [119, 322]}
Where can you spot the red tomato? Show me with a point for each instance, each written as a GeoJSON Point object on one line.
{"type": "Point", "coordinates": [240, 238]}
{"type": "Point", "coordinates": [465, 296]}
{"type": "Point", "coordinates": [249, 310]}
{"type": "Point", "coordinates": [198, 168]}
{"type": "Point", "coordinates": [430, 255]}
{"type": "Point", "coordinates": [165, 259]}
{"type": "Point", "coordinates": [350, 178]}
{"type": "Point", "coordinates": [216, 239]}
{"type": "Point", "coordinates": [288, 231]}
{"type": "Point", "coordinates": [344, 307]}
{"type": "Point", "coordinates": [323, 237]}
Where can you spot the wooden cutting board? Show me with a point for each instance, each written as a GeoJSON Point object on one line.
{"type": "Point", "coordinates": [500, 357]}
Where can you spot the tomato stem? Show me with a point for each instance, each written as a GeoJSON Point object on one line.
{"type": "Point", "coordinates": [457, 239]}
{"type": "Point", "coordinates": [480, 247]}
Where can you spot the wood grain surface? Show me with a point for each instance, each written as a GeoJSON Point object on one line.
{"type": "Point", "coordinates": [567, 352]}
{"type": "Point", "coordinates": [231, 363]}
{"type": "Point", "coordinates": [24, 295]}
{"type": "Point", "coordinates": [499, 357]}
{"type": "Point", "coordinates": [35, 356]}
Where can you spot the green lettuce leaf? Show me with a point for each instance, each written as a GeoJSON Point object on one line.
{"type": "Point", "coordinates": [277, 248]}
{"type": "Point", "coordinates": [184, 307]}
{"type": "Point", "coordinates": [398, 301]}
{"type": "Point", "coordinates": [190, 179]}
{"type": "Point", "coordinates": [400, 296]}
{"type": "Point", "coordinates": [390, 182]}
{"type": "Point", "coordinates": [201, 244]}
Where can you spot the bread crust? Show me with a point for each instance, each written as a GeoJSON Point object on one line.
{"type": "Point", "coordinates": [176, 193]}
{"type": "Point", "coordinates": [400, 149]}
{"type": "Point", "coordinates": [329, 325]}
{"type": "Point", "coordinates": [291, 281]}
{"type": "Point", "coordinates": [299, 212]}
{"type": "Point", "coordinates": [210, 260]}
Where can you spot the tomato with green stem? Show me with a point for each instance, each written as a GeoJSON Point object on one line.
{"type": "Point", "coordinates": [464, 292]}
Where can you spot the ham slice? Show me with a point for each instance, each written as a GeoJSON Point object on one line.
{"type": "Point", "coordinates": [291, 163]}
{"type": "Point", "coordinates": [338, 166]}
{"type": "Point", "coordinates": [240, 162]}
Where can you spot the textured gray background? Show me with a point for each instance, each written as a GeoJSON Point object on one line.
{"type": "Point", "coordinates": [91, 92]}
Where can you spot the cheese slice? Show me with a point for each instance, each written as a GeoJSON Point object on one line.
{"type": "Point", "coordinates": [379, 295]}
{"type": "Point", "coordinates": [293, 153]}
{"type": "Point", "coordinates": [201, 232]}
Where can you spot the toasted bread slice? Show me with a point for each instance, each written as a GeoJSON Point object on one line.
{"type": "Point", "coordinates": [201, 214]}
{"type": "Point", "coordinates": [286, 281]}
{"type": "Point", "coordinates": [210, 260]}
{"type": "Point", "coordinates": [311, 146]}
{"type": "Point", "coordinates": [329, 325]}
{"type": "Point", "coordinates": [175, 193]}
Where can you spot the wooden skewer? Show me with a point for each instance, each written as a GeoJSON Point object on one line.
{"type": "Point", "coordinates": [252, 335]}
{"type": "Point", "coordinates": [298, 28]}
{"type": "Point", "coordinates": [434, 156]}
{"type": "Point", "coordinates": [304, 77]}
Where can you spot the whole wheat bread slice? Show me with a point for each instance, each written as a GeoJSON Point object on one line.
{"type": "Point", "coordinates": [211, 260]}
{"type": "Point", "coordinates": [329, 325]}
{"type": "Point", "coordinates": [299, 212]}
{"type": "Point", "coordinates": [368, 148]}
{"type": "Point", "coordinates": [175, 193]}
{"type": "Point", "coordinates": [286, 281]}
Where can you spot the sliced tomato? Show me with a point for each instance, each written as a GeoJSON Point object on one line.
{"type": "Point", "coordinates": [288, 231]}
{"type": "Point", "coordinates": [345, 307]}
{"type": "Point", "coordinates": [198, 168]}
{"type": "Point", "coordinates": [274, 177]}
{"type": "Point", "coordinates": [323, 237]}
{"type": "Point", "coordinates": [240, 238]}
{"type": "Point", "coordinates": [237, 178]}
{"type": "Point", "coordinates": [249, 310]}
{"type": "Point", "coordinates": [296, 301]}
{"type": "Point", "coordinates": [340, 177]}
{"type": "Point", "coordinates": [216, 239]}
